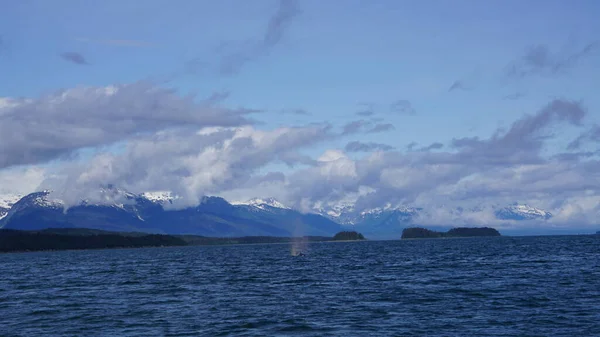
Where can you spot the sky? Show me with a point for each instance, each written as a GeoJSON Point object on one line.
{"type": "Point", "coordinates": [434, 104]}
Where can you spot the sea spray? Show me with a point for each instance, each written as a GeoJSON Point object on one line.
{"type": "Point", "coordinates": [299, 243]}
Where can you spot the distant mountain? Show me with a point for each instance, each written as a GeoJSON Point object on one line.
{"type": "Point", "coordinates": [522, 212]}
{"type": "Point", "coordinates": [118, 210]}
{"type": "Point", "coordinates": [127, 212]}
{"type": "Point", "coordinates": [379, 221]}
{"type": "Point", "coordinates": [382, 221]}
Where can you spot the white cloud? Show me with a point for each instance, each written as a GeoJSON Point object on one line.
{"type": "Point", "coordinates": [188, 163]}
{"type": "Point", "coordinates": [55, 125]}
{"type": "Point", "coordinates": [21, 180]}
{"type": "Point", "coordinates": [173, 143]}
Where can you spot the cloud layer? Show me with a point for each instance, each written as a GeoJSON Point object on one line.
{"type": "Point", "coordinates": [195, 148]}
{"type": "Point", "coordinates": [53, 126]}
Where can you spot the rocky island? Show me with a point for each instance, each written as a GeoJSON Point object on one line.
{"type": "Point", "coordinates": [348, 236]}
{"type": "Point", "coordinates": [460, 232]}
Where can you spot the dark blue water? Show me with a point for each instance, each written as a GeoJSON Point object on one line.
{"type": "Point", "coordinates": [529, 286]}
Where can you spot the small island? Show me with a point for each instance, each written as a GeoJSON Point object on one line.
{"type": "Point", "coordinates": [460, 232]}
{"type": "Point", "coordinates": [348, 236]}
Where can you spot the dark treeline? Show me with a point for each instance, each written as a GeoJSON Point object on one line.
{"type": "Point", "coordinates": [348, 235]}
{"type": "Point", "coordinates": [423, 233]}
{"type": "Point", "coordinates": [84, 238]}
{"type": "Point", "coordinates": [14, 240]}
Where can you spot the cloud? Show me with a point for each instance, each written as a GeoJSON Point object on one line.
{"type": "Point", "coordinates": [366, 109]}
{"type": "Point", "coordinates": [21, 180]}
{"type": "Point", "coordinates": [230, 57]}
{"type": "Point", "coordinates": [457, 85]}
{"type": "Point", "coordinates": [540, 60]}
{"type": "Point", "coordinates": [403, 107]}
{"type": "Point", "coordinates": [476, 175]}
{"type": "Point", "coordinates": [189, 163]}
{"type": "Point", "coordinates": [115, 42]}
{"type": "Point", "coordinates": [515, 96]}
{"type": "Point", "coordinates": [355, 126]}
{"type": "Point", "coordinates": [463, 183]}
{"type": "Point", "coordinates": [74, 57]}
{"type": "Point", "coordinates": [356, 146]}
{"type": "Point", "coordinates": [55, 125]}
{"type": "Point", "coordinates": [432, 146]}
{"type": "Point", "coordinates": [382, 127]}
{"type": "Point", "coordinates": [523, 141]}
{"type": "Point", "coordinates": [279, 22]}
{"type": "Point", "coordinates": [593, 135]}
{"type": "Point", "coordinates": [233, 61]}
{"type": "Point", "coordinates": [299, 112]}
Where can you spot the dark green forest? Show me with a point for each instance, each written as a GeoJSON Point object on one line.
{"type": "Point", "coordinates": [423, 233]}
{"type": "Point", "coordinates": [22, 241]}
{"type": "Point", "coordinates": [348, 236]}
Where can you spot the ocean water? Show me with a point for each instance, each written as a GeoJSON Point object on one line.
{"type": "Point", "coordinates": [522, 286]}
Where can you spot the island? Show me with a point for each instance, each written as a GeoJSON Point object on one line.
{"type": "Point", "coordinates": [460, 232]}
{"type": "Point", "coordinates": [348, 236]}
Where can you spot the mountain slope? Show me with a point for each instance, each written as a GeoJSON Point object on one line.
{"type": "Point", "coordinates": [522, 212]}
{"type": "Point", "coordinates": [212, 217]}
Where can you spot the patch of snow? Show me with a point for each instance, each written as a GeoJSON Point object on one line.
{"type": "Point", "coordinates": [526, 209]}
{"type": "Point", "coordinates": [44, 201]}
{"type": "Point", "coordinates": [523, 211]}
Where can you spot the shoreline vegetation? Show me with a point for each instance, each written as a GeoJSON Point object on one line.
{"type": "Point", "coordinates": [459, 232]}
{"type": "Point", "coordinates": [348, 236]}
{"type": "Point", "coordinates": [52, 239]}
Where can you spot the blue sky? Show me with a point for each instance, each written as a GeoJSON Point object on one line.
{"type": "Point", "coordinates": [448, 61]}
{"type": "Point", "coordinates": [333, 56]}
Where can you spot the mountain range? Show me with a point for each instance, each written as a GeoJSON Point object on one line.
{"type": "Point", "coordinates": [120, 210]}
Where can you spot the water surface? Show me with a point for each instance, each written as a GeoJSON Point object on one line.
{"type": "Point", "coordinates": [527, 286]}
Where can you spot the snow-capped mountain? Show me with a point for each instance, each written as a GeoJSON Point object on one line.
{"type": "Point", "coordinates": [117, 210]}
{"type": "Point", "coordinates": [522, 212]}
{"type": "Point", "coordinates": [347, 214]}
{"type": "Point", "coordinates": [111, 208]}
{"type": "Point", "coordinates": [262, 203]}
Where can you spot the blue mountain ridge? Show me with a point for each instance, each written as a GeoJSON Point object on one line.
{"type": "Point", "coordinates": [214, 216]}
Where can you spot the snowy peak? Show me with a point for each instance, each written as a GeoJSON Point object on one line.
{"type": "Point", "coordinates": [522, 212]}
{"type": "Point", "coordinates": [39, 199]}
{"type": "Point", "coordinates": [347, 213]}
{"type": "Point", "coordinates": [389, 208]}
{"type": "Point", "coordinates": [262, 203]}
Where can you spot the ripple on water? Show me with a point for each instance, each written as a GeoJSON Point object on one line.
{"type": "Point", "coordinates": [479, 286]}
